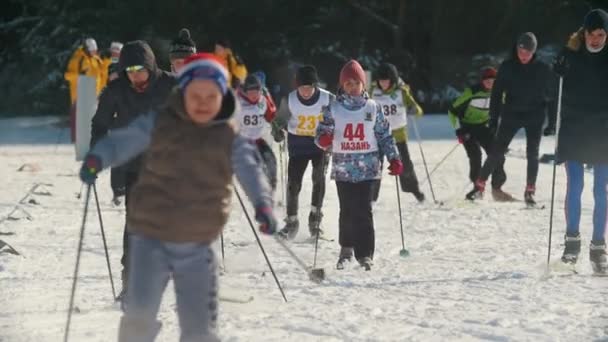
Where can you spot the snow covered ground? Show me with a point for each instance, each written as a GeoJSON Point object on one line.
{"type": "Point", "coordinates": [475, 271]}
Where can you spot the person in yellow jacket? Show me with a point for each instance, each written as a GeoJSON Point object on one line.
{"type": "Point", "coordinates": [84, 61]}
{"type": "Point", "coordinates": [396, 100]}
{"type": "Point", "coordinates": [237, 71]}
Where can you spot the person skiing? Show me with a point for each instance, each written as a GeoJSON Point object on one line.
{"type": "Point", "coordinates": [299, 114]}
{"type": "Point", "coordinates": [521, 94]}
{"type": "Point", "coordinates": [355, 129]}
{"type": "Point", "coordinates": [396, 100]}
{"type": "Point", "coordinates": [110, 58]}
{"type": "Point", "coordinates": [256, 111]}
{"type": "Point", "coordinates": [182, 198]}
{"type": "Point", "coordinates": [140, 87]}
{"type": "Point", "coordinates": [583, 134]}
{"type": "Point", "coordinates": [469, 115]}
{"type": "Point", "coordinates": [181, 48]}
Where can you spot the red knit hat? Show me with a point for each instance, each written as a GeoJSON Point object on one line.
{"type": "Point", "coordinates": [352, 70]}
{"type": "Point", "coordinates": [488, 72]}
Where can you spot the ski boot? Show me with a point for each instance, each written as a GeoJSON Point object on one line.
{"type": "Point", "coordinates": [529, 196]}
{"type": "Point", "coordinates": [346, 254]}
{"type": "Point", "coordinates": [419, 196]}
{"type": "Point", "coordinates": [290, 230]}
{"type": "Point", "coordinates": [572, 249]}
{"type": "Point", "coordinates": [314, 223]}
{"type": "Point", "coordinates": [598, 258]}
{"type": "Point", "coordinates": [477, 192]}
{"type": "Point", "coordinates": [366, 263]}
{"type": "Point", "coordinates": [500, 196]}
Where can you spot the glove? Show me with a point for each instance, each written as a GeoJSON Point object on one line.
{"type": "Point", "coordinates": [326, 140]}
{"type": "Point", "coordinates": [90, 168]}
{"type": "Point", "coordinates": [462, 135]}
{"type": "Point", "coordinates": [266, 219]}
{"type": "Point", "coordinates": [561, 65]}
{"type": "Point", "coordinates": [396, 167]}
{"type": "Point", "coordinates": [278, 135]}
{"type": "Point", "coordinates": [493, 126]}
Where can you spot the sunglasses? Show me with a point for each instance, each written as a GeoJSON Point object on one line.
{"type": "Point", "coordinates": [135, 68]}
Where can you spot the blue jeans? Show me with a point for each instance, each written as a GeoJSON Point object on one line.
{"type": "Point", "coordinates": [193, 267]}
{"type": "Point", "coordinates": [576, 175]}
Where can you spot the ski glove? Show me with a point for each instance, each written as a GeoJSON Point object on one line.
{"type": "Point", "coordinates": [325, 141]}
{"type": "Point", "coordinates": [266, 219]}
{"type": "Point", "coordinates": [561, 65]}
{"type": "Point", "coordinates": [462, 135]}
{"type": "Point", "coordinates": [278, 135]}
{"type": "Point", "coordinates": [90, 168]}
{"type": "Point", "coordinates": [396, 167]}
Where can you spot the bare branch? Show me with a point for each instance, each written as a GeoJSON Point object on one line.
{"type": "Point", "coordinates": [374, 15]}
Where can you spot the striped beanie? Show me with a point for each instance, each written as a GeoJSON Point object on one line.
{"type": "Point", "coordinates": [203, 66]}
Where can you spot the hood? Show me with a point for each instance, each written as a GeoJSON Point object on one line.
{"type": "Point", "coordinates": [514, 57]}
{"type": "Point", "coordinates": [137, 53]}
{"type": "Point", "coordinates": [175, 103]}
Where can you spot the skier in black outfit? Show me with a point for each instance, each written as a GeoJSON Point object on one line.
{"type": "Point", "coordinates": [522, 93]}
{"type": "Point", "coordinates": [140, 88]}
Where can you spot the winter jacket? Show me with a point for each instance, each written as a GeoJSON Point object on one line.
{"type": "Point", "coordinates": [409, 103]}
{"type": "Point", "coordinates": [119, 103]}
{"type": "Point", "coordinates": [299, 144]}
{"type": "Point", "coordinates": [471, 108]}
{"type": "Point", "coordinates": [236, 68]}
{"type": "Point", "coordinates": [184, 189]}
{"type": "Point", "coordinates": [358, 167]}
{"type": "Point", "coordinates": [522, 92]}
{"type": "Point", "coordinates": [583, 134]}
{"type": "Point", "coordinates": [82, 63]}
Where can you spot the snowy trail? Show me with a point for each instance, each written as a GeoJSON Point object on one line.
{"type": "Point", "coordinates": [474, 273]}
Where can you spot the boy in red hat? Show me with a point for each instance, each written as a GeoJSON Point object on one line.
{"type": "Point", "coordinates": [355, 129]}
{"type": "Point", "coordinates": [181, 199]}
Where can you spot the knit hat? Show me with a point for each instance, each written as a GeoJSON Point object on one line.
{"type": "Point", "coordinates": [387, 71]}
{"type": "Point", "coordinates": [527, 41]}
{"type": "Point", "coordinates": [90, 45]}
{"type": "Point", "coordinates": [182, 46]}
{"type": "Point", "coordinates": [252, 82]}
{"type": "Point", "coordinates": [306, 75]}
{"type": "Point", "coordinates": [352, 70]}
{"type": "Point", "coordinates": [203, 66]}
{"type": "Point", "coordinates": [488, 72]}
{"type": "Point", "coordinates": [596, 19]}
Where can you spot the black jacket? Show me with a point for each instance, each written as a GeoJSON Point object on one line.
{"type": "Point", "coordinates": [119, 103]}
{"type": "Point", "coordinates": [522, 92]}
{"type": "Point", "coordinates": [583, 134]}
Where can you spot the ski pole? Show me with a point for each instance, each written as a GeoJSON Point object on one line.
{"type": "Point", "coordinates": [80, 192]}
{"type": "Point", "coordinates": [426, 169]}
{"type": "Point", "coordinates": [441, 162]}
{"type": "Point", "coordinates": [105, 245]}
{"type": "Point", "coordinates": [404, 252]}
{"type": "Point", "coordinates": [557, 127]}
{"type": "Point", "coordinates": [222, 246]}
{"type": "Point", "coordinates": [282, 171]}
{"type": "Point", "coordinates": [75, 277]}
{"type": "Point", "coordinates": [260, 243]}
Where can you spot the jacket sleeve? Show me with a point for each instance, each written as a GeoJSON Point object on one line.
{"type": "Point", "coordinates": [458, 109]}
{"type": "Point", "coordinates": [497, 96]}
{"type": "Point", "coordinates": [121, 145]}
{"type": "Point", "coordinates": [246, 164]}
{"type": "Point", "coordinates": [386, 142]}
{"type": "Point", "coordinates": [410, 103]}
{"type": "Point", "coordinates": [271, 109]}
{"type": "Point", "coordinates": [283, 115]}
{"type": "Point", "coordinates": [104, 115]}
{"type": "Point", "coordinates": [326, 126]}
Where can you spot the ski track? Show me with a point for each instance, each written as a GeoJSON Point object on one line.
{"type": "Point", "coordinates": [475, 271]}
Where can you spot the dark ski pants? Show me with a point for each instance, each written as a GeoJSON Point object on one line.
{"type": "Point", "coordinates": [480, 136]}
{"type": "Point", "coordinates": [295, 173]}
{"type": "Point", "coordinates": [269, 162]}
{"type": "Point", "coordinates": [407, 179]}
{"type": "Point", "coordinates": [130, 179]}
{"type": "Point", "coordinates": [506, 131]}
{"type": "Point", "coordinates": [576, 180]}
{"type": "Point", "coordinates": [356, 220]}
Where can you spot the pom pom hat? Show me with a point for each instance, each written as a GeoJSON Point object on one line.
{"type": "Point", "coordinates": [203, 66]}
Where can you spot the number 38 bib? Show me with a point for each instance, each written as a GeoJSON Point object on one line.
{"type": "Point", "coordinates": [354, 130]}
{"type": "Point", "coordinates": [251, 118]}
{"type": "Point", "coordinates": [392, 107]}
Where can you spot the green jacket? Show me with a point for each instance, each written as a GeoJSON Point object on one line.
{"type": "Point", "coordinates": [472, 107]}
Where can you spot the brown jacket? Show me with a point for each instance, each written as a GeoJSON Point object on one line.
{"type": "Point", "coordinates": [184, 189]}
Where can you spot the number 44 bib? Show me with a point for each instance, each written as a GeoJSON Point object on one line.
{"type": "Point", "coordinates": [354, 130]}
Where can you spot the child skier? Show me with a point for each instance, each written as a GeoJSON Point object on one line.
{"type": "Point", "coordinates": [299, 114]}
{"type": "Point", "coordinates": [182, 198]}
{"type": "Point", "coordinates": [393, 95]}
{"type": "Point", "coordinates": [257, 109]}
{"type": "Point", "coordinates": [181, 48]}
{"type": "Point", "coordinates": [469, 115]}
{"type": "Point", "coordinates": [356, 130]}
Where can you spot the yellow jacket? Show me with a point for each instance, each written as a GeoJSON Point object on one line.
{"type": "Point", "coordinates": [82, 64]}
{"type": "Point", "coordinates": [236, 69]}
